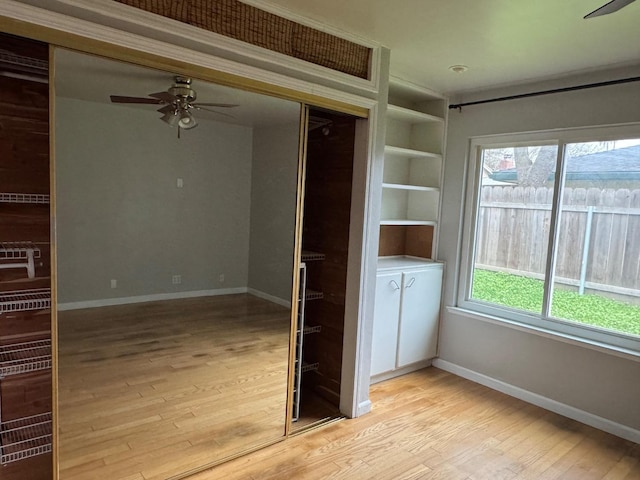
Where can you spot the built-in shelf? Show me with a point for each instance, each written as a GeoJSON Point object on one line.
{"type": "Point", "coordinates": [413, 167]}
{"type": "Point", "coordinates": [407, 115]}
{"type": "Point", "coordinates": [25, 300]}
{"type": "Point", "coordinates": [408, 222]}
{"type": "Point", "coordinates": [26, 357]}
{"type": "Point", "coordinates": [25, 437]}
{"type": "Point", "coordinates": [309, 256]}
{"type": "Point", "coordinates": [402, 186]}
{"type": "Point", "coordinates": [390, 150]}
{"type": "Point", "coordinates": [313, 295]}
{"type": "Point", "coordinates": [24, 198]}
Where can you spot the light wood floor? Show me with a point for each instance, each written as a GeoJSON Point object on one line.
{"type": "Point", "coordinates": [151, 390]}
{"type": "Point", "coordinates": [434, 425]}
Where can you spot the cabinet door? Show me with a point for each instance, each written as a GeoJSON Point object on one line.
{"type": "Point", "coordinates": [419, 313]}
{"type": "Point", "coordinates": [385, 322]}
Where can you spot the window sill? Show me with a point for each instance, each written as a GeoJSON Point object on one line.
{"type": "Point", "coordinates": [557, 336]}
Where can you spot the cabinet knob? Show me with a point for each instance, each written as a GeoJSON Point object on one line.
{"type": "Point", "coordinates": [411, 282]}
{"type": "Point", "coordinates": [394, 284]}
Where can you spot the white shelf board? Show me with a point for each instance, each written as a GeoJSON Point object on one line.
{"type": "Point", "coordinates": [407, 222]}
{"type": "Point", "coordinates": [409, 153]}
{"type": "Point", "coordinates": [402, 186]}
{"type": "Point", "coordinates": [407, 115]}
{"type": "Point", "coordinates": [406, 261]}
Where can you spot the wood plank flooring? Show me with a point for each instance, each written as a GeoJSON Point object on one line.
{"type": "Point", "coordinates": [433, 425]}
{"type": "Point", "coordinates": [151, 390]}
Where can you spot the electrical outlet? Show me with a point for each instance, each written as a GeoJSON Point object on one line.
{"type": "Point", "coordinates": [221, 278]}
{"type": "Point", "coordinates": [179, 183]}
{"type": "Point", "coordinates": [114, 283]}
{"type": "Point", "coordinates": [176, 279]}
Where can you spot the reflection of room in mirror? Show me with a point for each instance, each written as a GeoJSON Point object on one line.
{"type": "Point", "coordinates": [174, 295]}
{"type": "Point", "coordinates": [162, 387]}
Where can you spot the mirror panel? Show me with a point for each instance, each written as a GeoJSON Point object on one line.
{"type": "Point", "coordinates": [175, 260]}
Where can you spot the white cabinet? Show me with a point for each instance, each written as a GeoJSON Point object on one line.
{"type": "Point", "coordinates": [419, 313]}
{"type": "Point", "coordinates": [406, 315]}
{"type": "Point", "coordinates": [385, 322]}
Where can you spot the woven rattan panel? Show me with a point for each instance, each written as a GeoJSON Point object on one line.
{"type": "Point", "coordinates": [252, 25]}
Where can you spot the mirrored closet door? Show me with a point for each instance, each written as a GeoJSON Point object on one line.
{"type": "Point", "coordinates": [176, 209]}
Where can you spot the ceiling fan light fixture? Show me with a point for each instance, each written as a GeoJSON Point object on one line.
{"type": "Point", "coordinates": [186, 120]}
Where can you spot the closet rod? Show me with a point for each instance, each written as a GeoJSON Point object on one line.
{"type": "Point", "coordinates": [546, 92]}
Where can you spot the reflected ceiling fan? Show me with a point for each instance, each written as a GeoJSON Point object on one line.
{"type": "Point", "coordinates": [610, 7]}
{"type": "Point", "coordinates": [178, 100]}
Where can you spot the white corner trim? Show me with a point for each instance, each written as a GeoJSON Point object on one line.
{"type": "Point", "coordinates": [270, 298]}
{"type": "Point", "coordinates": [106, 302]}
{"type": "Point", "coordinates": [563, 409]}
{"type": "Point", "coordinates": [363, 407]}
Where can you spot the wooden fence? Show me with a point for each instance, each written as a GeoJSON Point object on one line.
{"type": "Point", "coordinates": [599, 236]}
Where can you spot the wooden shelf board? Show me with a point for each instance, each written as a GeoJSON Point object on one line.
{"type": "Point", "coordinates": [409, 153]}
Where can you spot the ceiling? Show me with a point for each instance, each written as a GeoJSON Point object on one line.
{"type": "Point", "coordinates": [503, 42]}
{"type": "Point", "coordinates": [91, 78]}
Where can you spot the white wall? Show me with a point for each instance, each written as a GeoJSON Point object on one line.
{"type": "Point", "coordinates": [596, 383]}
{"type": "Point", "coordinates": [273, 209]}
{"type": "Point", "coordinates": [120, 215]}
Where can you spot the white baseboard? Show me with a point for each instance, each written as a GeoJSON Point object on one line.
{"type": "Point", "coordinates": [106, 302]}
{"type": "Point", "coordinates": [563, 409]}
{"type": "Point", "coordinates": [270, 298]}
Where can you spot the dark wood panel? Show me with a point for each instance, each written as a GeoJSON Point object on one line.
{"type": "Point", "coordinates": [25, 327]}
{"type": "Point", "coordinates": [415, 240]}
{"type": "Point", "coordinates": [39, 468]}
{"type": "Point", "coordinates": [326, 229]}
{"type": "Point", "coordinates": [24, 170]}
{"type": "Point", "coordinates": [24, 47]}
{"type": "Point", "coordinates": [25, 395]}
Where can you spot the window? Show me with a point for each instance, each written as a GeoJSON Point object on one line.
{"type": "Point", "coordinates": [552, 233]}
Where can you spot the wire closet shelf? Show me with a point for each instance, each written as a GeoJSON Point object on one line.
{"type": "Point", "coordinates": [25, 437]}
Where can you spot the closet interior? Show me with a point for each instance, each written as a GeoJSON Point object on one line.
{"type": "Point", "coordinates": [325, 242]}
{"type": "Point", "coordinates": [25, 273]}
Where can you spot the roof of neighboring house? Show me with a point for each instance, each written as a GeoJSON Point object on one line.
{"type": "Point", "coordinates": [618, 164]}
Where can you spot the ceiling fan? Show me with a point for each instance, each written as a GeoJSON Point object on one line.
{"type": "Point", "coordinates": [178, 100]}
{"type": "Point", "coordinates": [610, 7]}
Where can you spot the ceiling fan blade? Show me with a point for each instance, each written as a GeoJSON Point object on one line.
{"type": "Point", "coordinates": [121, 99]}
{"type": "Point", "coordinates": [198, 107]}
{"type": "Point", "coordinates": [166, 97]}
{"type": "Point", "coordinates": [219, 105]}
{"type": "Point", "coordinates": [607, 8]}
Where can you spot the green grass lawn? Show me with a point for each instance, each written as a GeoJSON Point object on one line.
{"type": "Point", "coordinates": [526, 294]}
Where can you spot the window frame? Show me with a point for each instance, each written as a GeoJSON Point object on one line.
{"type": "Point", "coordinates": [544, 322]}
